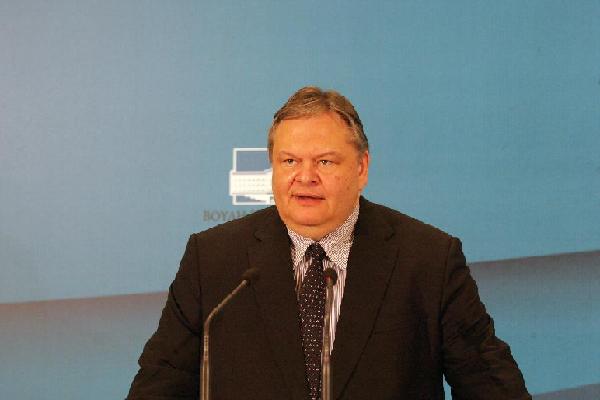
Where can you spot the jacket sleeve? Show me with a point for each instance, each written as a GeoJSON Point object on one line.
{"type": "Point", "coordinates": [169, 364]}
{"type": "Point", "coordinates": [477, 365]}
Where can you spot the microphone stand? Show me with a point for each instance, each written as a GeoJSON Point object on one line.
{"type": "Point", "coordinates": [330, 278]}
{"type": "Point", "coordinates": [249, 276]}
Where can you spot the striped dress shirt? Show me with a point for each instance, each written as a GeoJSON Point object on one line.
{"type": "Point", "coordinates": [337, 249]}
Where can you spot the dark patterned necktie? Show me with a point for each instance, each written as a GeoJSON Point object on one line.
{"type": "Point", "coordinates": [312, 310]}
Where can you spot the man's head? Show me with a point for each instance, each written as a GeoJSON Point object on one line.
{"type": "Point", "coordinates": [311, 101]}
{"type": "Point", "coordinates": [320, 160]}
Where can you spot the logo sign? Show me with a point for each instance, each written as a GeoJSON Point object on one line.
{"type": "Point", "coordinates": [250, 177]}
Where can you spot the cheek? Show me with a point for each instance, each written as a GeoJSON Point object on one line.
{"type": "Point", "coordinates": [343, 186]}
{"type": "Point", "coordinates": [337, 184]}
{"type": "Point", "coordinates": [282, 180]}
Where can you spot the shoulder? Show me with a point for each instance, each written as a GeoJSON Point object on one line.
{"type": "Point", "coordinates": [423, 250]}
{"type": "Point", "coordinates": [220, 253]}
{"type": "Point", "coordinates": [399, 224]}
{"type": "Point", "coordinates": [238, 230]}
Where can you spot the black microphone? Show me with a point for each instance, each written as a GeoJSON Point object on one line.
{"type": "Point", "coordinates": [250, 276]}
{"type": "Point", "coordinates": [330, 277]}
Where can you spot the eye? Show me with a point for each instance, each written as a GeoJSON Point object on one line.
{"type": "Point", "coordinates": [325, 162]}
{"type": "Point", "coordinates": [289, 161]}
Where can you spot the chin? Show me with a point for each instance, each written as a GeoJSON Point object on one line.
{"type": "Point", "coordinates": [306, 218]}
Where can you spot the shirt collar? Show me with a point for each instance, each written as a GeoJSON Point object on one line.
{"type": "Point", "coordinates": [336, 243]}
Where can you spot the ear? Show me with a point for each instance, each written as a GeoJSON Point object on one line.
{"type": "Point", "coordinates": [363, 169]}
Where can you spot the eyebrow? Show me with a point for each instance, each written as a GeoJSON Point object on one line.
{"type": "Point", "coordinates": [318, 155]}
{"type": "Point", "coordinates": [328, 153]}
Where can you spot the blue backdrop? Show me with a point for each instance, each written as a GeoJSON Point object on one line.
{"type": "Point", "coordinates": [118, 121]}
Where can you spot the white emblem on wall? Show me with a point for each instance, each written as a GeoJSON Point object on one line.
{"type": "Point", "coordinates": [250, 178]}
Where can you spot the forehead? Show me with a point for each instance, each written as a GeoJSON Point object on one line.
{"type": "Point", "coordinates": [326, 127]}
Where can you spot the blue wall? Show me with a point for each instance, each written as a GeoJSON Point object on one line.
{"type": "Point", "coordinates": [118, 120]}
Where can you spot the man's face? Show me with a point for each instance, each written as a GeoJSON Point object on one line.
{"type": "Point", "coordinates": [318, 173]}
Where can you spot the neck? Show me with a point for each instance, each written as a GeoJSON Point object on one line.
{"type": "Point", "coordinates": [312, 232]}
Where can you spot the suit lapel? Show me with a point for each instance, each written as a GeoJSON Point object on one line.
{"type": "Point", "coordinates": [276, 297]}
{"type": "Point", "coordinates": [371, 262]}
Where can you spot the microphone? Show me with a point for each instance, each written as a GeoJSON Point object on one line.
{"type": "Point", "coordinates": [330, 279]}
{"type": "Point", "coordinates": [250, 276]}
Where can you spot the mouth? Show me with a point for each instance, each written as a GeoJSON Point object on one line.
{"type": "Point", "coordinates": [307, 197]}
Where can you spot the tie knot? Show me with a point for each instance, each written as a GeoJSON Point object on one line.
{"type": "Point", "coordinates": [316, 252]}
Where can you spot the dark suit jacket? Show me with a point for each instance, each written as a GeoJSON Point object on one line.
{"type": "Point", "coordinates": [410, 313]}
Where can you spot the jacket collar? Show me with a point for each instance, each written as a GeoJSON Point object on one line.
{"type": "Point", "coordinates": [370, 265]}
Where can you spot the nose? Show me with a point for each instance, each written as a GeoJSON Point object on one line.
{"type": "Point", "coordinates": [307, 173]}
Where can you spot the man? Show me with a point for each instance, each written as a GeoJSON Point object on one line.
{"type": "Point", "coordinates": [405, 309]}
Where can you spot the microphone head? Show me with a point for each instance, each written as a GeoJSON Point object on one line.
{"type": "Point", "coordinates": [330, 275]}
{"type": "Point", "coordinates": [251, 275]}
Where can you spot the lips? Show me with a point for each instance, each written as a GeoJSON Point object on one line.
{"type": "Point", "coordinates": [308, 196]}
